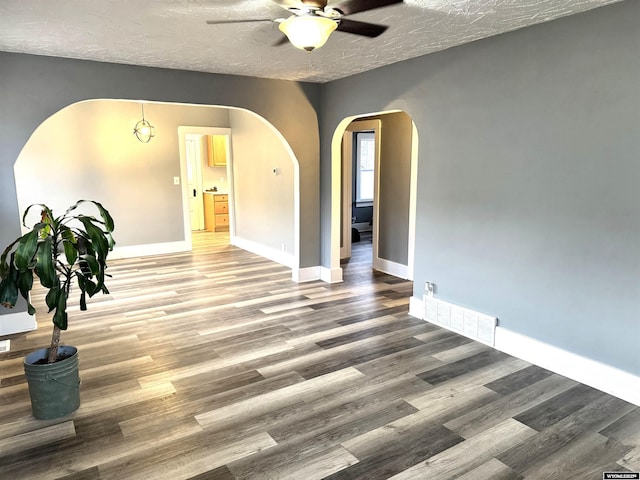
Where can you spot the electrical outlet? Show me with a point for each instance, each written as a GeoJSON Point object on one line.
{"type": "Point", "coordinates": [176, 180]}
{"type": "Point", "coordinates": [430, 289]}
{"type": "Point", "coordinates": [5, 346]}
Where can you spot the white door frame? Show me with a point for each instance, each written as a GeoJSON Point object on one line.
{"type": "Point", "coordinates": [182, 132]}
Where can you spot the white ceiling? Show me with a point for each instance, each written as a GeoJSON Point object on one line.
{"type": "Point", "coordinates": [173, 33]}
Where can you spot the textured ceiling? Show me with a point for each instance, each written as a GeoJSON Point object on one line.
{"type": "Point", "coordinates": [173, 33]}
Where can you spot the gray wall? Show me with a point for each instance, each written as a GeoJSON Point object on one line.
{"type": "Point", "coordinates": [32, 88]}
{"type": "Point", "coordinates": [528, 203]}
{"type": "Point", "coordinates": [263, 202]}
{"type": "Point", "coordinates": [395, 176]}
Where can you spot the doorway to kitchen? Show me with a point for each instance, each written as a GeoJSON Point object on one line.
{"type": "Point", "coordinates": [206, 177]}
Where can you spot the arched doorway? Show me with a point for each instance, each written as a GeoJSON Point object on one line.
{"type": "Point", "coordinates": [394, 205]}
{"type": "Point", "coordinates": [87, 150]}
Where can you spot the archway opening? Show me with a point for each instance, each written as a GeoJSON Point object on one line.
{"type": "Point", "coordinates": [393, 209]}
{"type": "Point", "coordinates": [88, 150]}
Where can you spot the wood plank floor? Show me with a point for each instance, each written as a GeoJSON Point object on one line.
{"type": "Point", "coordinates": [214, 365]}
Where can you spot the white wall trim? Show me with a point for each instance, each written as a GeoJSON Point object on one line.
{"type": "Point", "coordinates": [306, 274]}
{"type": "Point", "coordinates": [331, 275]}
{"type": "Point", "coordinates": [413, 189]}
{"type": "Point", "coordinates": [416, 307]}
{"type": "Point", "coordinates": [17, 322]}
{"type": "Point", "coordinates": [392, 268]}
{"type": "Point", "coordinates": [598, 375]}
{"type": "Point", "coordinates": [272, 254]}
{"type": "Point", "coordinates": [335, 251]}
{"type": "Point", "coordinates": [150, 249]}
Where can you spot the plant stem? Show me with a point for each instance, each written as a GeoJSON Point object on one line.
{"type": "Point", "coordinates": [53, 349]}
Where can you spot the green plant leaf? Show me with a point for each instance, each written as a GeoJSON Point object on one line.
{"type": "Point", "coordinates": [83, 301]}
{"type": "Point", "coordinates": [9, 288]}
{"type": "Point", "coordinates": [107, 220]}
{"type": "Point", "coordinates": [25, 284]}
{"type": "Point", "coordinates": [4, 265]}
{"type": "Point", "coordinates": [60, 315]}
{"type": "Point", "coordinates": [26, 249]}
{"type": "Point", "coordinates": [98, 239]}
{"type": "Point", "coordinates": [53, 297]}
{"type": "Point", "coordinates": [106, 216]}
{"type": "Point", "coordinates": [46, 213]}
{"type": "Point", "coordinates": [45, 268]}
{"type": "Point", "coordinates": [86, 284]}
{"type": "Point", "coordinates": [69, 244]}
{"type": "Point", "coordinates": [92, 265]}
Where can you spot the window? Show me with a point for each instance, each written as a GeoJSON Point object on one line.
{"type": "Point", "coordinates": [365, 143]}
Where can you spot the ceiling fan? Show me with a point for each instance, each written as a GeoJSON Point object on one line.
{"type": "Point", "coordinates": [313, 20]}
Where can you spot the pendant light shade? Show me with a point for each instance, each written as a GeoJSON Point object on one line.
{"type": "Point", "coordinates": [143, 130]}
{"type": "Point", "coordinates": [308, 32]}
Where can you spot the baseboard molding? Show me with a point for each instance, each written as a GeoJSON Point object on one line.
{"type": "Point", "coordinates": [306, 274]}
{"type": "Point", "coordinates": [331, 275]}
{"type": "Point", "coordinates": [272, 254]}
{"type": "Point", "coordinates": [392, 268]}
{"type": "Point", "coordinates": [598, 375]}
{"type": "Point", "coordinates": [416, 307]}
{"type": "Point", "coordinates": [19, 322]}
{"type": "Point", "coordinates": [134, 251]}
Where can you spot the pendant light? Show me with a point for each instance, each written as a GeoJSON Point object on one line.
{"type": "Point", "coordinates": [143, 130]}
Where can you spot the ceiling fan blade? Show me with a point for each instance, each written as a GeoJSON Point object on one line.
{"type": "Point", "coordinates": [246, 20]}
{"type": "Point", "coordinates": [288, 4]}
{"type": "Point", "coordinates": [365, 29]}
{"type": "Point", "coordinates": [354, 6]}
{"type": "Point", "coordinates": [283, 41]}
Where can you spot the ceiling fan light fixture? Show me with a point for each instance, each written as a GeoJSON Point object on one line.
{"type": "Point", "coordinates": [308, 32]}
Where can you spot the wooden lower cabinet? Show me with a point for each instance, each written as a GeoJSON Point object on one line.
{"type": "Point", "coordinates": [216, 212]}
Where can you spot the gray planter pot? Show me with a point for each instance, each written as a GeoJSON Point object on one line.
{"type": "Point", "coordinates": [54, 388]}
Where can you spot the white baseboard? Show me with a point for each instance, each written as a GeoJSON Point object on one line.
{"type": "Point", "coordinates": [331, 275]}
{"type": "Point", "coordinates": [392, 268]}
{"type": "Point", "coordinates": [272, 254]}
{"type": "Point", "coordinates": [306, 274]}
{"type": "Point", "coordinates": [598, 375]}
{"type": "Point", "coordinates": [19, 322]}
{"type": "Point", "coordinates": [134, 251]}
{"type": "Point", "coordinates": [416, 307]}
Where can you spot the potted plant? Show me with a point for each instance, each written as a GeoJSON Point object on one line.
{"type": "Point", "coordinates": [65, 253]}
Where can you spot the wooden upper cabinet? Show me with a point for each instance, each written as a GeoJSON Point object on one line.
{"type": "Point", "coordinates": [217, 150]}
